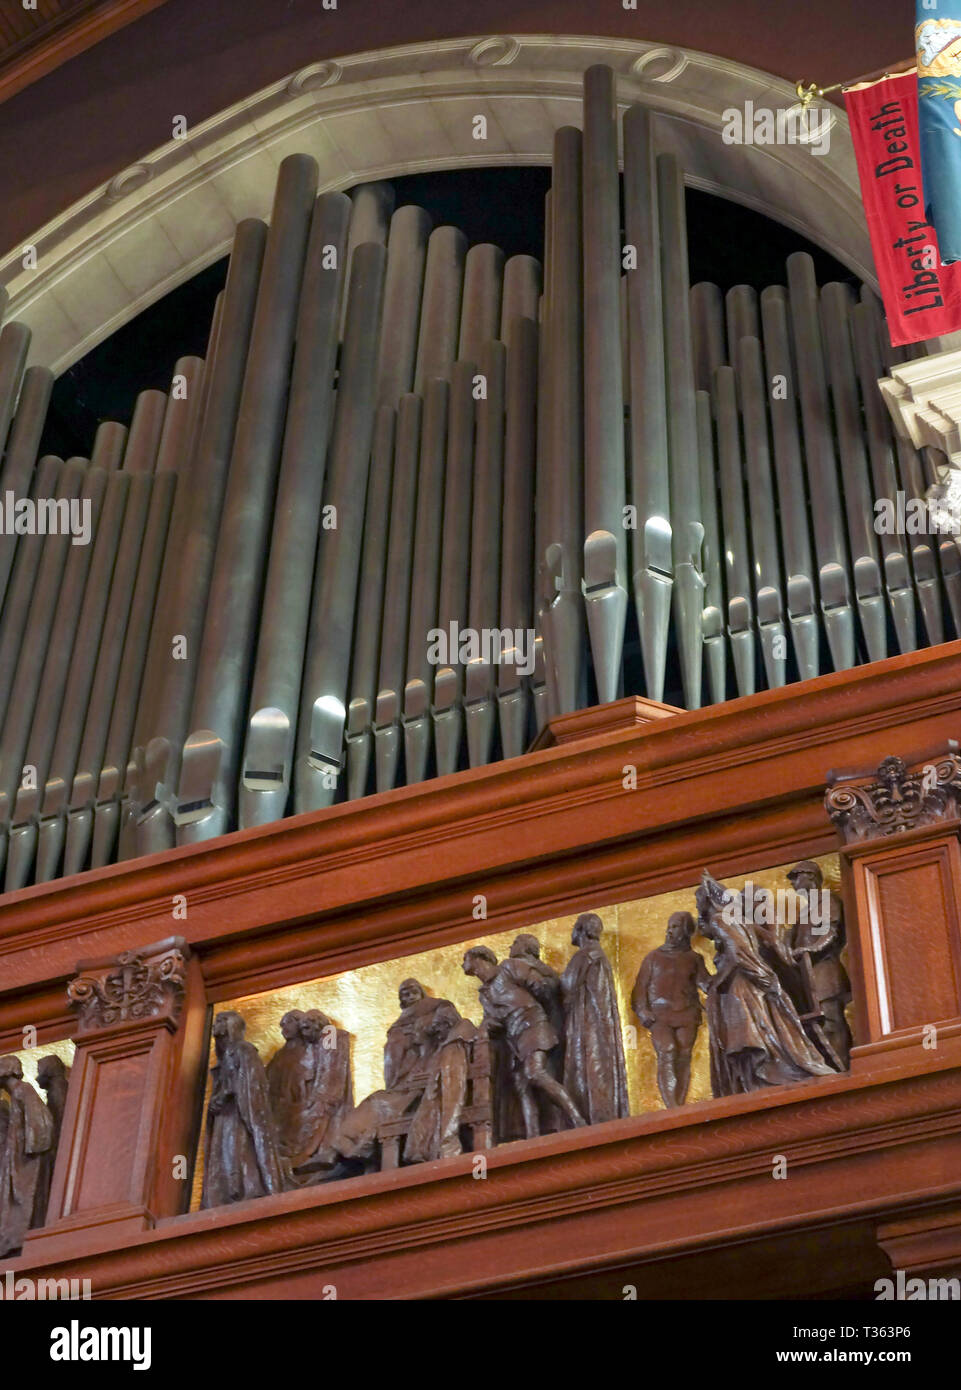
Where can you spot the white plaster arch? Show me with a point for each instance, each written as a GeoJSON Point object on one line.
{"type": "Point", "coordinates": [398, 111]}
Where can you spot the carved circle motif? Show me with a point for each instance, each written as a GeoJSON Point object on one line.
{"type": "Point", "coordinates": [659, 65]}
{"type": "Point", "coordinates": [128, 182]}
{"type": "Point", "coordinates": [312, 78]}
{"type": "Point", "coordinates": [494, 52]}
{"type": "Point", "coordinates": [801, 121]}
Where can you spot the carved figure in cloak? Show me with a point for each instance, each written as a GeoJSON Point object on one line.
{"type": "Point", "coordinates": [757, 1038]}
{"type": "Point", "coordinates": [28, 1139]}
{"type": "Point", "coordinates": [242, 1159]}
{"type": "Point", "coordinates": [350, 1143]}
{"type": "Point", "coordinates": [327, 1089]}
{"type": "Point", "coordinates": [817, 944]}
{"type": "Point", "coordinates": [53, 1078]}
{"type": "Point", "coordinates": [595, 1074]}
{"type": "Point", "coordinates": [287, 1080]}
{"type": "Point", "coordinates": [435, 1129]}
{"type": "Point", "coordinates": [309, 1082]}
{"type": "Point", "coordinates": [408, 1039]}
{"type": "Point", "coordinates": [667, 1002]}
{"type": "Point", "coordinates": [511, 1009]}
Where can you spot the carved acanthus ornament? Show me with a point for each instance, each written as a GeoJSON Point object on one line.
{"type": "Point", "coordinates": [897, 797]}
{"type": "Point", "coordinates": [131, 987]}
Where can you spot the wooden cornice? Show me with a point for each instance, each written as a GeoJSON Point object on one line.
{"type": "Point", "coordinates": [884, 1147]}
{"type": "Point", "coordinates": [59, 40]}
{"type": "Point", "coordinates": [733, 787]}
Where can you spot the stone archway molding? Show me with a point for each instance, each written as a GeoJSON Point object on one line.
{"type": "Point", "coordinates": [400, 111]}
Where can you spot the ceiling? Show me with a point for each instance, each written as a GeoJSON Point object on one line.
{"type": "Point", "coordinates": [36, 40]}
{"type": "Point", "coordinates": [88, 91]}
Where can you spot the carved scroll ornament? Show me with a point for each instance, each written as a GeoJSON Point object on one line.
{"type": "Point", "coordinates": [900, 797]}
{"type": "Point", "coordinates": [131, 986]}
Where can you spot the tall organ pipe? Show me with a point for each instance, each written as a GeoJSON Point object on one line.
{"type": "Point", "coordinates": [516, 595]}
{"type": "Point", "coordinates": [605, 543]}
{"type": "Point", "coordinates": [113, 698]}
{"type": "Point", "coordinates": [189, 560]}
{"type": "Point", "coordinates": [148, 643]}
{"type": "Point", "coordinates": [272, 717]}
{"type": "Point", "coordinates": [652, 563]}
{"type": "Point", "coordinates": [21, 454]}
{"type": "Point", "coordinates": [795, 534]}
{"type": "Point", "coordinates": [441, 306]}
{"type": "Point", "coordinates": [563, 618]}
{"type": "Point", "coordinates": [455, 561]}
{"type": "Point", "coordinates": [321, 724]}
{"type": "Point", "coordinates": [768, 604]}
{"type": "Point", "coordinates": [31, 658]}
{"type": "Point", "coordinates": [403, 288]}
{"type": "Point", "coordinates": [522, 291]}
{"type": "Point", "coordinates": [897, 574]}
{"type": "Point", "coordinates": [370, 604]}
{"type": "Point", "coordinates": [63, 729]}
{"type": "Point", "coordinates": [84, 700]}
{"type": "Point", "coordinates": [687, 530]}
{"type": "Point", "coordinates": [543, 692]}
{"type": "Point", "coordinates": [14, 343]}
{"type": "Point", "coordinates": [34, 723]}
{"type": "Point", "coordinates": [737, 559]}
{"type": "Point", "coordinates": [854, 469]}
{"type": "Point", "coordinates": [397, 593]}
{"type": "Point", "coordinates": [485, 559]}
{"type": "Point", "coordinates": [425, 577]}
{"type": "Point", "coordinates": [371, 208]}
{"type": "Point", "coordinates": [741, 316]}
{"type": "Point", "coordinates": [481, 307]}
{"type": "Point", "coordinates": [713, 618]}
{"type": "Point", "coordinates": [16, 608]}
{"type": "Point", "coordinates": [708, 335]}
{"type": "Point", "coordinates": [211, 754]}
{"type": "Point", "coordinates": [820, 463]}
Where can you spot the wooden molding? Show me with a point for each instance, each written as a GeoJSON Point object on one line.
{"type": "Point", "coordinates": [646, 1188]}
{"type": "Point", "coordinates": [65, 39]}
{"type": "Point", "coordinates": [733, 787]}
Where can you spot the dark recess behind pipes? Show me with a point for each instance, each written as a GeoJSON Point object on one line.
{"type": "Point", "coordinates": [728, 244]}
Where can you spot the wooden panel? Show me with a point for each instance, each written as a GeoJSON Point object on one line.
{"type": "Point", "coordinates": [906, 942]}
{"type": "Point", "coordinates": [919, 945]}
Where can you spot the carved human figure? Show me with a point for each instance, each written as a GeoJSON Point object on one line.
{"type": "Point", "coordinates": [757, 1038]}
{"type": "Point", "coordinates": [53, 1077]}
{"type": "Point", "coordinates": [28, 1138]}
{"type": "Point", "coordinates": [350, 1143]}
{"type": "Point", "coordinates": [595, 1074]}
{"type": "Point", "coordinates": [408, 1041]}
{"type": "Point", "coordinates": [511, 1009]}
{"type": "Point", "coordinates": [287, 1080]}
{"type": "Point", "coordinates": [327, 1086]}
{"type": "Point", "coordinates": [545, 984]}
{"type": "Point", "coordinates": [666, 1000]}
{"type": "Point", "coordinates": [435, 1129]}
{"type": "Point", "coordinates": [817, 941]}
{"type": "Point", "coordinates": [242, 1159]}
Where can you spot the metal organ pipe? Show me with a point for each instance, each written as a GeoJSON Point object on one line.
{"type": "Point", "coordinates": [323, 703]}
{"type": "Point", "coordinates": [605, 543]}
{"type": "Point", "coordinates": [442, 442]}
{"type": "Point", "coordinates": [211, 753]}
{"type": "Point", "coordinates": [653, 559]}
{"type": "Point", "coordinates": [188, 575]}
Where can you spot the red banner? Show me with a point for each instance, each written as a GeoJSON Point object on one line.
{"type": "Point", "coordinates": [922, 297]}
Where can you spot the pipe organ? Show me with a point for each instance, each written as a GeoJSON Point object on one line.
{"type": "Point", "coordinates": [394, 436]}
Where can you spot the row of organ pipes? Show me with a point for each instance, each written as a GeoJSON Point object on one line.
{"type": "Point", "coordinates": [393, 433]}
